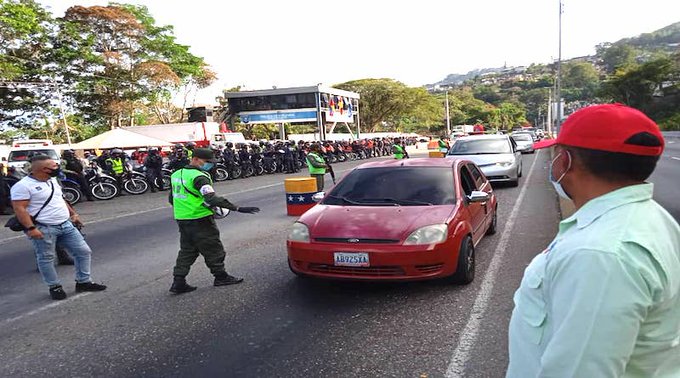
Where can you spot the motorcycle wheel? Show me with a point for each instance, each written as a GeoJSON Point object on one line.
{"type": "Point", "coordinates": [260, 170]}
{"type": "Point", "coordinates": [221, 174]}
{"type": "Point", "coordinates": [342, 158]}
{"type": "Point", "coordinates": [270, 168]}
{"type": "Point", "coordinates": [104, 191]}
{"type": "Point", "coordinates": [136, 186]}
{"type": "Point", "coordinates": [71, 195]}
{"type": "Point", "coordinates": [236, 172]}
{"type": "Point", "coordinates": [247, 172]}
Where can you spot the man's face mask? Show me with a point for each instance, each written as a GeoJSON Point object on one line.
{"type": "Point", "coordinates": [557, 181]}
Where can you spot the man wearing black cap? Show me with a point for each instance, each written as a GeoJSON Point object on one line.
{"type": "Point", "coordinates": [603, 299]}
{"type": "Point", "coordinates": [193, 199]}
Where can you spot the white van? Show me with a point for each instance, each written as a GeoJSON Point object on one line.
{"type": "Point", "coordinates": [19, 156]}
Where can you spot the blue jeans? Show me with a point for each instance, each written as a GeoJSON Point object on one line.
{"type": "Point", "coordinates": [68, 237]}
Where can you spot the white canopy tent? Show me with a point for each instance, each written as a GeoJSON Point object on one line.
{"type": "Point", "coordinates": [119, 138]}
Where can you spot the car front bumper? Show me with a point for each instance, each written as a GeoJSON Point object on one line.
{"type": "Point", "coordinates": [392, 262]}
{"type": "Point", "coordinates": [500, 174]}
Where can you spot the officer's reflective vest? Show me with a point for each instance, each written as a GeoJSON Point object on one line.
{"type": "Point", "coordinates": [398, 151]}
{"type": "Point", "coordinates": [319, 160]}
{"type": "Point", "coordinates": [190, 153]}
{"type": "Point", "coordinates": [187, 202]}
{"type": "Point", "coordinates": [116, 165]}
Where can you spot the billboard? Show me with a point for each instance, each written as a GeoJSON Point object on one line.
{"type": "Point", "coordinates": [279, 116]}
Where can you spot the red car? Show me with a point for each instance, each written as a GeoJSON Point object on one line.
{"type": "Point", "coordinates": [397, 220]}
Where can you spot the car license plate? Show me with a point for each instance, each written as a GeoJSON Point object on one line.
{"type": "Point", "coordinates": [350, 259]}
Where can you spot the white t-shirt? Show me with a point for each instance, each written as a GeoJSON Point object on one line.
{"type": "Point", "coordinates": [56, 212]}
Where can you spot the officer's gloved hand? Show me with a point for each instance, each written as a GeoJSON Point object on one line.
{"type": "Point", "coordinates": [249, 210]}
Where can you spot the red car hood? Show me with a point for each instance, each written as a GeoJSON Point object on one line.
{"type": "Point", "coordinates": [372, 222]}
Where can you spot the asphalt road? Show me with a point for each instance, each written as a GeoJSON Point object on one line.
{"type": "Point", "coordinates": [666, 177]}
{"type": "Point", "coordinates": [274, 324]}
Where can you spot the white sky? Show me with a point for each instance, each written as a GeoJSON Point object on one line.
{"type": "Point", "coordinates": [261, 43]}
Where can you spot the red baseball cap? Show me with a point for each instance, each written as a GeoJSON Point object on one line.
{"type": "Point", "coordinates": [608, 127]}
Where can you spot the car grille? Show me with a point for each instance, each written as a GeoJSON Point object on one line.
{"type": "Point", "coordinates": [491, 178]}
{"type": "Point", "coordinates": [389, 271]}
{"type": "Point", "coordinates": [357, 240]}
{"type": "Point", "coordinates": [434, 268]}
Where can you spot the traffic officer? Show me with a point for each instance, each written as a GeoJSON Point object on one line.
{"type": "Point", "coordinates": [603, 299]}
{"type": "Point", "coordinates": [115, 165]}
{"type": "Point", "coordinates": [398, 150]}
{"type": "Point", "coordinates": [154, 169]}
{"type": "Point", "coordinates": [190, 149]}
{"type": "Point", "coordinates": [73, 168]}
{"type": "Point", "coordinates": [316, 165]}
{"type": "Point", "coordinates": [193, 199]}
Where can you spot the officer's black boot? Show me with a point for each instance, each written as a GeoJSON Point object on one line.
{"type": "Point", "coordinates": [223, 279]}
{"type": "Point", "coordinates": [180, 285]}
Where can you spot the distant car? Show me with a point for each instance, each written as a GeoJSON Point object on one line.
{"type": "Point", "coordinates": [528, 130]}
{"type": "Point", "coordinates": [21, 156]}
{"type": "Point", "coordinates": [496, 155]}
{"type": "Point", "coordinates": [397, 220]}
{"type": "Point", "coordinates": [525, 143]}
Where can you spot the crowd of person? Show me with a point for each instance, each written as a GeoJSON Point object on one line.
{"type": "Point", "coordinates": [234, 160]}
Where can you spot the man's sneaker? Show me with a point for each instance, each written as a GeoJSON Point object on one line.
{"type": "Point", "coordinates": [180, 285]}
{"type": "Point", "coordinates": [226, 279]}
{"type": "Point", "coordinates": [89, 286]}
{"type": "Point", "coordinates": [57, 293]}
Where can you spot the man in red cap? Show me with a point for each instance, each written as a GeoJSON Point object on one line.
{"type": "Point", "coordinates": [603, 299]}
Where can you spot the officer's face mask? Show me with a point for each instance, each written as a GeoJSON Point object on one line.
{"type": "Point", "coordinates": [207, 166]}
{"type": "Point", "coordinates": [557, 182]}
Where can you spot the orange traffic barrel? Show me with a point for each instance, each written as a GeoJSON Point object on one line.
{"type": "Point", "coordinates": [299, 192]}
{"type": "Point", "coordinates": [436, 154]}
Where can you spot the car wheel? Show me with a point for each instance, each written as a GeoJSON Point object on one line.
{"type": "Point", "coordinates": [465, 272]}
{"type": "Point", "coordinates": [519, 172]}
{"type": "Point", "coordinates": [494, 221]}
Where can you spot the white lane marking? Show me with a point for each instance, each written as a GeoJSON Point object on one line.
{"type": "Point", "coordinates": [675, 158]}
{"type": "Point", "coordinates": [468, 337]}
{"type": "Point", "coordinates": [45, 307]}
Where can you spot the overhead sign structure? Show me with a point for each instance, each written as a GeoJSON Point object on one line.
{"type": "Point", "coordinates": [325, 106]}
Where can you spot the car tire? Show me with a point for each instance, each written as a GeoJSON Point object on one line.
{"type": "Point", "coordinates": [494, 222]}
{"type": "Point", "coordinates": [465, 272]}
{"type": "Point", "coordinates": [519, 172]}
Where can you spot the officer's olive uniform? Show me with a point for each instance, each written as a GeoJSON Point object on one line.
{"type": "Point", "coordinates": [198, 233]}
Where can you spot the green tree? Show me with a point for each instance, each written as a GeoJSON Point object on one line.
{"type": "Point", "coordinates": [25, 29]}
{"type": "Point", "coordinates": [617, 56]}
{"type": "Point", "coordinates": [387, 103]}
{"type": "Point", "coordinates": [118, 64]}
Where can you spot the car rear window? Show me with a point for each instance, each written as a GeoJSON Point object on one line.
{"type": "Point", "coordinates": [404, 186]}
{"type": "Point", "coordinates": [26, 155]}
{"type": "Point", "coordinates": [480, 147]}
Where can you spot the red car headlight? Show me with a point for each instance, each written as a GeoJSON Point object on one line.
{"type": "Point", "coordinates": [299, 233]}
{"type": "Point", "coordinates": [432, 234]}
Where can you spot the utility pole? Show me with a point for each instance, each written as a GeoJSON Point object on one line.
{"type": "Point", "coordinates": [549, 118]}
{"type": "Point", "coordinates": [558, 82]}
{"type": "Point", "coordinates": [448, 119]}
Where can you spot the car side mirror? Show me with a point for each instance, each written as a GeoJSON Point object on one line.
{"type": "Point", "coordinates": [317, 197]}
{"type": "Point", "coordinates": [478, 196]}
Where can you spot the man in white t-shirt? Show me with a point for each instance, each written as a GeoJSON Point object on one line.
{"type": "Point", "coordinates": [54, 224]}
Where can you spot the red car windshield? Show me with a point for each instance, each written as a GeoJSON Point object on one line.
{"type": "Point", "coordinates": [400, 186]}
